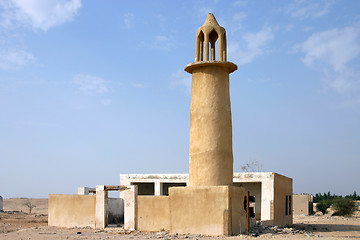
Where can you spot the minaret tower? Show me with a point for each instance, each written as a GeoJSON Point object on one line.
{"type": "Point", "coordinates": [210, 205]}
{"type": "Point", "coordinates": [211, 156]}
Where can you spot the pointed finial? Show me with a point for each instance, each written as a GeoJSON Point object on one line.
{"type": "Point", "coordinates": [211, 20]}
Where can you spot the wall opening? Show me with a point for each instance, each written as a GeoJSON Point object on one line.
{"type": "Point", "coordinates": [115, 212]}
{"type": "Point", "coordinates": [255, 190]}
{"type": "Point", "coordinates": [290, 205]}
{"type": "Point", "coordinates": [166, 186]}
{"type": "Point", "coordinates": [213, 37]}
{"type": "Point", "coordinates": [145, 188]}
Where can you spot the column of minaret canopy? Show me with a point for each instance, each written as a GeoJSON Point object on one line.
{"type": "Point", "coordinates": [204, 38]}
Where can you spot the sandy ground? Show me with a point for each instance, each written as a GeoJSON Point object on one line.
{"type": "Point", "coordinates": [21, 225]}
{"type": "Point", "coordinates": [18, 204]}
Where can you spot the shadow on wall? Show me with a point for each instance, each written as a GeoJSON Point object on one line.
{"type": "Point", "coordinates": [116, 211]}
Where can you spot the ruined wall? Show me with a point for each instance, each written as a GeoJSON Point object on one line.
{"type": "Point", "coordinates": [238, 213]}
{"type": "Point", "coordinates": [153, 213]}
{"type": "Point", "coordinates": [206, 210]}
{"type": "Point", "coordinates": [71, 210]}
{"type": "Point", "coordinates": [1, 204]}
{"type": "Point", "coordinates": [267, 191]}
{"type": "Point", "coordinates": [282, 208]}
{"type": "Point", "coordinates": [303, 204]}
{"type": "Point", "coordinates": [255, 190]}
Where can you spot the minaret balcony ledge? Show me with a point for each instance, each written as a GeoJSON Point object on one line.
{"type": "Point", "coordinates": [225, 64]}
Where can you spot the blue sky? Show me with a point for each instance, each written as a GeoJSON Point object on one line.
{"type": "Point", "coordinates": [92, 89]}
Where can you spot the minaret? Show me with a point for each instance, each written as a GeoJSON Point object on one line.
{"type": "Point", "coordinates": [210, 205]}
{"type": "Point", "coordinates": [211, 156]}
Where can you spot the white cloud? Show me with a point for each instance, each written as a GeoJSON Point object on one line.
{"type": "Point", "coordinates": [159, 42]}
{"type": "Point", "coordinates": [336, 47]}
{"type": "Point", "coordinates": [289, 27]}
{"type": "Point", "coordinates": [240, 3]}
{"type": "Point", "coordinates": [332, 51]}
{"type": "Point", "coordinates": [162, 20]}
{"type": "Point", "coordinates": [129, 20]}
{"type": "Point", "coordinates": [303, 9]}
{"type": "Point", "coordinates": [236, 22]}
{"type": "Point", "coordinates": [181, 79]}
{"type": "Point", "coordinates": [15, 59]}
{"type": "Point", "coordinates": [90, 84]}
{"type": "Point", "coordinates": [162, 43]}
{"type": "Point", "coordinates": [239, 17]}
{"type": "Point", "coordinates": [38, 14]}
{"type": "Point", "coordinates": [106, 101]}
{"type": "Point", "coordinates": [138, 85]}
{"type": "Point", "coordinates": [255, 45]}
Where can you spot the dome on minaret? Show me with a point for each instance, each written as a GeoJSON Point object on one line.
{"type": "Point", "coordinates": [207, 34]}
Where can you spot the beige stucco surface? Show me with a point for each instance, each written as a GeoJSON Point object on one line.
{"type": "Point", "coordinates": [71, 210]}
{"type": "Point", "coordinates": [153, 213]}
{"type": "Point", "coordinates": [206, 210]}
{"type": "Point", "coordinates": [302, 204]}
{"type": "Point", "coordinates": [211, 157]}
{"type": "Point", "coordinates": [282, 187]}
{"type": "Point", "coordinates": [238, 213]}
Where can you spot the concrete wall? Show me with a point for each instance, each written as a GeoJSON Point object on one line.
{"type": "Point", "coordinates": [71, 210]}
{"type": "Point", "coordinates": [303, 204]}
{"type": "Point", "coordinates": [153, 213]}
{"type": "Point", "coordinates": [238, 213]}
{"type": "Point", "coordinates": [265, 198]}
{"type": "Point", "coordinates": [115, 210]}
{"type": "Point", "coordinates": [130, 207]}
{"type": "Point", "coordinates": [282, 211]}
{"type": "Point", "coordinates": [207, 210]}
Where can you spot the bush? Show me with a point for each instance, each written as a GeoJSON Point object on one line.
{"type": "Point", "coordinates": [323, 205]}
{"type": "Point", "coordinates": [344, 207]}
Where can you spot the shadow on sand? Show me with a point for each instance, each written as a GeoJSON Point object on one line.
{"type": "Point", "coordinates": [313, 227]}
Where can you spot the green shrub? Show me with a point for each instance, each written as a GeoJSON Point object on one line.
{"type": "Point", "coordinates": [323, 205]}
{"type": "Point", "coordinates": [344, 207]}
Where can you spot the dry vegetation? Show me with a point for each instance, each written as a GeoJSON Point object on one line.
{"type": "Point", "coordinates": [22, 225]}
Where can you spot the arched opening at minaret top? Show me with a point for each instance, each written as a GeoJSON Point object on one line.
{"type": "Point", "coordinates": [200, 46]}
{"type": "Point", "coordinates": [213, 37]}
{"type": "Point", "coordinates": [210, 36]}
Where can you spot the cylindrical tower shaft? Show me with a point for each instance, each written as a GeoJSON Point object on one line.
{"type": "Point", "coordinates": [211, 157]}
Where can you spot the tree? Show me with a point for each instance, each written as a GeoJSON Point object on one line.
{"type": "Point", "coordinates": [323, 205]}
{"type": "Point", "coordinates": [252, 166]}
{"type": "Point", "coordinates": [30, 205]}
{"type": "Point", "coordinates": [344, 207]}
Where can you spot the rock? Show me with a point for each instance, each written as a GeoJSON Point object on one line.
{"type": "Point", "coordinates": [318, 213]}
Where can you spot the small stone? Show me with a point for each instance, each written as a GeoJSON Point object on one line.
{"type": "Point", "coordinates": [318, 213]}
